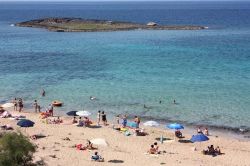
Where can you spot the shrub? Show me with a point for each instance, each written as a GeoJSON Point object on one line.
{"type": "Point", "coordinates": [15, 150]}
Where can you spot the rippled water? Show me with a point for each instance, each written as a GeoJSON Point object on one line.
{"type": "Point", "coordinates": [207, 72]}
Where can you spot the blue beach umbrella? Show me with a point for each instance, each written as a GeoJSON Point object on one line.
{"type": "Point", "coordinates": [25, 123]}
{"type": "Point", "coordinates": [71, 113]}
{"type": "Point", "coordinates": [199, 138]}
{"type": "Point", "coordinates": [175, 126]}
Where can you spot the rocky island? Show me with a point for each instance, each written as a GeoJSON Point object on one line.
{"type": "Point", "coordinates": [91, 25]}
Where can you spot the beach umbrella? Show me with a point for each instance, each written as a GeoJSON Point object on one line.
{"type": "Point", "coordinates": [72, 113]}
{"type": "Point", "coordinates": [175, 126]}
{"type": "Point", "coordinates": [83, 113]}
{"type": "Point", "coordinates": [7, 105]}
{"type": "Point", "coordinates": [199, 138]}
{"type": "Point", "coordinates": [99, 141]}
{"type": "Point", "coordinates": [25, 123]}
{"type": "Point", "coordinates": [151, 123]}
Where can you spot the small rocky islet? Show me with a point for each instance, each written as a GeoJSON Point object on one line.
{"type": "Point", "coordinates": [91, 25]}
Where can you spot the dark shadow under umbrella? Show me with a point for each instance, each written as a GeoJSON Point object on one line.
{"type": "Point", "coordinates": [72, 113]}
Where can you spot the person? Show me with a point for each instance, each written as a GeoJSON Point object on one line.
{"type": "Point", "coordinates": [152, 150]}
{"type": "Point", "coordinates": [104, 118]}
{"type": "Point", "coordinates": [211, 150]}
{"type": "Point", "coordinates": [217, 150]}
{"type": "Point", "coordinates": [97, 157]}
{"type": "Point", "coordinates": [199, 131]}
{"type": "Point", "coordinates": [74, 120]}
{"type": "Point", "coordinates": [39, 108]}
{"type": "Point", "coordinates": [160, 102]}
{"type": "Point", "coordinates": [20, 104]}
{"type": "Point", "coordinates": [118, 119]}
{"type": "Point", "coordinates": [58, 120]}
{"type": "Point", "coordinates": [15, 104]}
{"type": "Point", "coordinates": [51, 110]}
{"type": "Point", "coordinates": [98, 117]}
{"type": "Point", "coordinates": [124, 121]}
{"type": "Point", "coordinates": [80, 122]}
{"type": "Point", "coordinates": [35, 105]}
{"type": "Point", "coordinates": [156, 148]}
{"type": "Point", "coordinates": [175, 102]}
{"type": "Point", "coordinates": [87, 122]}
{"type": "Point", "coordinates": [89, 145]}
{"type": "Point", "coordinates": [42, 92]}
{"type": "Point", "coordinates": [178, 134]}
{"type": "Point", "coordinates": [206, 132]}
{"type": "Point", "coordinates": [137, 121]}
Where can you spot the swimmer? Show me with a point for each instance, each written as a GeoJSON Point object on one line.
{"type": "Point", "coordinates": [43, 92]}
{"type": "Point", "coordinates": [92, 98]}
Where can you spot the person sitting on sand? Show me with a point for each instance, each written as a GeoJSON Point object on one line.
{"type": "Point", "coordinates": [89, 145]}
{"type": "Point", "coordinates": [80, 122]}
{"type": "Point", "coordinates": [58, 120]}
{"type": "Point", "coordinates": [97, 157]}
{"type": "Point", "coordinates": [152, 150]}
{"type": "Point", "coordinates": [137, 121]}
{"type": "Point", "coordinates": [87, 122]}
{"type": "Point", "coordinates": [178, 134]}
{"type": "Point", "coordinates": [206, 132]}
{"type": "Point", "coordinates": [74, 120]}
{"type": "Point", "coordinates": [217, 150]}
{"type": "Point", "coordinates": [156, 148]}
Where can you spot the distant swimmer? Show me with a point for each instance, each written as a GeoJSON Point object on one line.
{"type": "Point", "coordinates": [92, 98]}
{"type": "Point", "coordinates": [160, 102]}
{"type": "Point", "coordinates": [43, 92]}
{"type": "Point", "coordinates": [175, 102]}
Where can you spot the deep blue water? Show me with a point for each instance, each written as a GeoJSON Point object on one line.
{"type": "Point", "coordinates": [207, 72]}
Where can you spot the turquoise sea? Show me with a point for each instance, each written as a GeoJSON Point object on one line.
{"type": "Point", "coordinates": [207, 72]}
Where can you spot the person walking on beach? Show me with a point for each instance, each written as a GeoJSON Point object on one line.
{"type": "Point", "coordinates": [104, 118]}
{"type": "Point", "coordinates": [118, 119]}
{"type": "Point", "coordinates": [15, 104]}
{"type": "Point", "coordinates": [20, 105]}
{"type": "Point", "coordinates": [35, 105]}
{"type": "Point", "coordinates": [98, 117]}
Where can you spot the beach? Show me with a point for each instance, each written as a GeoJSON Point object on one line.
{"type": "Point", "coordinates": [125, 150]}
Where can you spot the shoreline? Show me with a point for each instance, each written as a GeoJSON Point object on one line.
{"type": "Point", "coordinates": [230, 132]}
{"type": "Point", "coordinates": [130, 150]}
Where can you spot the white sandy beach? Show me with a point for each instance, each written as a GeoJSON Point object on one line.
{"type": "Point", "coordinates": [127, 150]}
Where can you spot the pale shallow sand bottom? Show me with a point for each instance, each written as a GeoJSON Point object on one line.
{"type": "Point", "coordinates": [128, 149]}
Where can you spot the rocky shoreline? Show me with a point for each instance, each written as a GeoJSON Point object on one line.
{"type": "Point", "coordinates": [90, 25]}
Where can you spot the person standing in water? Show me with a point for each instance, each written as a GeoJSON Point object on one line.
{"type": "Point", "coordinates": [35, 105]}
{"type": "Point", "coordinates": [104, 118]}
{"type": "Point", "coordinates": [43, 92]}
{"type": "Point", "coordinates": [15, 104]}
{"type": "Point", "coordinates": [20, 104]}
{"type": "Point", "coordinates": [98, 117]}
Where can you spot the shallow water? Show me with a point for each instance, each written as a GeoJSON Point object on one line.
{"type": "Point", "coordinates": [206, 72]}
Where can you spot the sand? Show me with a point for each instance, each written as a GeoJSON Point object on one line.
{"type": "Point", "coordinates": [126, 150]}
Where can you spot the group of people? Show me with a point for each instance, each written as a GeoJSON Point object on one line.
{"type": "Point", "coordinates": [101, 116]}
{"type": "Point", "coordinates": [18, 104]}
{"type": "Point", "coordinates": [154, 149]}
{"type": "Point", "coordinates": [205, 131]}
{"type": "Point", "coordinates": [85, 122]}
{"type": "Point", "coordinates": [212, 151]}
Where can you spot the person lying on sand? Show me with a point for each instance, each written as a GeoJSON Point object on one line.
{"type": "Point", "coordinates": [97, 157]}
{"type": "Point", "coordinates": [57, 121]}
{"type": "Point", "coordinates": [37, 136]}
{"type": "Point", "coordinates": [140, 132]}
{"type": "Point", "coordinates": [6, 127]}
